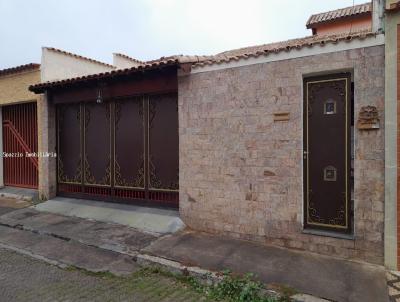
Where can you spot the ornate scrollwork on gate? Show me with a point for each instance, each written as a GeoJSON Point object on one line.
{"type": "Point", "coordinates": [62, 176]}
{"type": "Point", "coordinates": [156, 183]}
{"type": "Point", "coordinates": [91, 180]}
{"type": "Point", "coordinates": [137, 182]}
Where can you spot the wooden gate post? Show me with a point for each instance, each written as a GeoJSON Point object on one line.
{"type": "Point", "coordinates": [47, 143]}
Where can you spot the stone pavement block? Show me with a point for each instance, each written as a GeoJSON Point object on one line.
{"type": "Point", "coordinates": [114, 237]}
{"type": "Point", "coordinates": [321, 276]}
{"type": "Point", "coordinates": [5, 210]}
{"type": "Point", "coordinates": [25, 279]}
{"type": "Point", "coordinates": [67, 252]}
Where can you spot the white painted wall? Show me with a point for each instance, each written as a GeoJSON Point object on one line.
{"type": "Point", "coordinates": [122, 62]}
{"type": "Point", "coordinates": [58, 66]}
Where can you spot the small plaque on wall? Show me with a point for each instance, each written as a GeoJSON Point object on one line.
{"type": "Point", "coordinates": [281, 116]}
{"type": "Point", "coordinates": [368, 118]}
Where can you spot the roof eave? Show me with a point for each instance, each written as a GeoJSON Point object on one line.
{"type": "Point", "coordinates": [105, 76]}
{"type": "Point", "coordinates": [20, 69]}
{"type": "Point", "coordinates": [344, 18]}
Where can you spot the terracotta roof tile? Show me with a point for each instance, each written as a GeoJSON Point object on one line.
{"type": "Point", "coordinates": [20, 68]}
{"type": "Point", "coordinates": [266, 49]}
{"type": "Point", "coordinates": [227, 56]}
{"type": "Point", "coordinates": [351, 11]}
{"type": "Point", "coordinates": [129, 58]}
{"type": "Point", "coordinates": [393, 6]}
{"type": "Point", "coordinates": [78, 56]}
{"type": "Point", "coordinates": [41, 87]}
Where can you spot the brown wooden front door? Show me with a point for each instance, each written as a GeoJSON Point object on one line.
{"type": "Point", "coordinates": [326, 154]}
{"type": "Point", "coordinates": [20, 143]}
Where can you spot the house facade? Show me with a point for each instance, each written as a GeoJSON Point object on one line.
{"type": "Point", "coordinates": [291, 143]}
{"type": "Point", "coordinates": [244, 156]}
{"type": "Point", "coordinates": [24, 113]}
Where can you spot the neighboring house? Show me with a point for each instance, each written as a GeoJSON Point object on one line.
{"type": "Point", "coordinates": [23, 114]}
{"type": "Point", "coordinates": [19, 126]}
{"type": "Point", "coordinates": [57, 64]}
{"type": "Point", "coordinates": [282, 143]}
{"type": "Point", "coordinates": [349, 20]}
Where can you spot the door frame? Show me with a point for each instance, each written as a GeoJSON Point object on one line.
{"type": "Point", "coordinates": [336, 229]}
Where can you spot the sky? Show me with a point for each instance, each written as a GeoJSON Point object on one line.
{"type": "Point", "coordinates": [149, 29]}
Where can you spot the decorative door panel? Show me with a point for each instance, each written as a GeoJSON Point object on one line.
{"type": "Point", "coordinates": [97, 144]}
{"type": "Point", "coordinates": [163, 139]}
{"type": "Point", "coordinates": [129, 155]}
{"type": "Point", "coordinates": [20, 141]}
{"type": "Point", "coordinates": [327, 152]}
{"type": "Point", "coordinates": [120, 150]}
{"type": "Point", "coordinates": [69, 144]}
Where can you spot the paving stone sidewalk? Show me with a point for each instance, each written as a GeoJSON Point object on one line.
{"type": "Point", "coordinates": [25, 279]}
{"type": "Point", "coordinates": [66, 253]}
{"type": "Point", "coordinates": [321, 276]}
{"type": "Point", "coordinates": [108, 236]}
{"type": "Point", "coordinates": [81, 240]}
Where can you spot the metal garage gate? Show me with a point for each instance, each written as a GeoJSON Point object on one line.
{"type": "Point", "coordinates": [20, 142]}
{"type": "Point", "coordinates": [124, 149]}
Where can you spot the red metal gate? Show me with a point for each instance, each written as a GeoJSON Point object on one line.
{"type": "Point", "coordinates": [20, 142]}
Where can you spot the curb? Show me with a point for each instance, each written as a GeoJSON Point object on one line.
{"type": "Point", "coordinates": [206, 277]}
{"type": "Point", "coordinates": [307, 298]}
{"type": "Point", "coordinates": [202, 275]}
{"type": "Point", "coordinates": [34, 256]}
{"type": "Point", "coordinates": [17, 196]}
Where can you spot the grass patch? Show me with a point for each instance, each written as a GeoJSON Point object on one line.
{"type": "Point", "coordinates": [231, 288]}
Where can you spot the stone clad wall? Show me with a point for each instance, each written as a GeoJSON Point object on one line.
{"type": "Point", "coordinates": [241, 173]}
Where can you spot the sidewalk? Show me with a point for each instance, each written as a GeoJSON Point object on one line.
{"type": "Point", "coordinates": [77, 241]}
{"type": "Point", "coordinates": [318, 275]}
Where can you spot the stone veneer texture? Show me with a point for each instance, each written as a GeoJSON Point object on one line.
{"type": "Point", "coordinates": [241, 173]}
